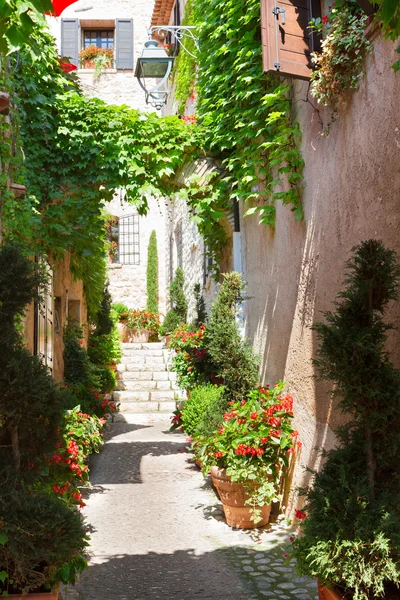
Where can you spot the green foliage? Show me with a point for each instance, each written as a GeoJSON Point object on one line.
{"type": "Point", "coordinates": [201, 313]}
{"type": "Point", "coordinates": [177, 295]}
{"type": "Point", "coordinates": [104, 321]}
{"type": "Point", "coordinates": [171, 322]}
{"type": "Point", "coordinates": [201, 398]}
{"type": "Point", "coordinates": [184, 72]}
{"type": "Point", "coordinates": [105, 349]}
{"type": "Point", "coordinates": [344, 47]}
{"type": "Point", "coordinates": [389, 17]}
{"type": "Point", "coordinates": [104, 379]}
{"type": "Point", "coordinates": [117, 310]}
{"type": "Point", "coordinates": [45, 540]}
{"type": "Point", "coordinates": [77, 367]}
{"type": "Point", "coordinates": [18, 20]}
{"type": "Point", "coordinates": [233, 357]}
{"type": "Point", "coordinates": [152, 274]}
{"type": "Point", "coordinates": [352, 531]}
{"type": "Point", "coordinates": [213, 415]}
{"type": "Point", "coordinates": [244, 113]}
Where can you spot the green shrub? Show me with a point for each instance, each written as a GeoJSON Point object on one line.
{"type": "Point", "coordinates": [177, 295]}
{"type": "Point", "coordinates": [117, 310]}
{"type": "Point", "coordinates": [77, 368]}
{"type": "Point", "coordinates": [42, 540]}
{"type": "Point", "coordinates": [201, 313]}
{"type": "Point", "coordinates": [105, 379]}
{"type": "Point", "coordinates": [171, 322]}
{"type": "Point", "coordinates": [351, 533]}
{"type": "Point", "coordinates": [233, 357]}
{"type": "Point", "coordinates": [105, 349]}
{"type": "Point", "coordinates": [201, 398]}
{"type": "Point", "coordinates": [104, 322]}
{"type": "Point", "coordinates": [152, 274]}
{"type": "Point", "coordinates": [213, 414]}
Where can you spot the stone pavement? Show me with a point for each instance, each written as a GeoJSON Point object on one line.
{"type": "Point", "coordinates": [158, 532]}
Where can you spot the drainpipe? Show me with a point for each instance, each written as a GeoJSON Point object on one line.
{"type": "Point", "coordinates": [237, 264]}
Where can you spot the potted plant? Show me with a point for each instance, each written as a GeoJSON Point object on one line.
{"type": "Point", "coordinates": [143, 325]}
{"type": "Point", "coordinates": [248, 453]}
{"type": "Point", "coordinates": [94, 57]}
{"type": "Point", "coordinates": [350, 525]}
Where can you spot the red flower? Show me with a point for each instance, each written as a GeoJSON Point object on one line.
{"type": "Point", "coordinates": [294, 433]}
{"type": "Point", "coordinates": [264, 440]}
{"type": "Point", "coordinates": [218, 454]}
{"type": "Point", "coordinates": [300, 515]}
{"type": "Point", "coordinates": [291, 451]}
{"type": "Point", "coordinates": [221, 431]}
{"type": "Point", "coordinates": [299, 444]}
{"type": "Point", "coordinates": [253, 415]}
{"type": "Point", "coordinates": [325, 19]}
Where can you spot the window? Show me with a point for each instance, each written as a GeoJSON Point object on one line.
{"type": "Point", "coordinates": [286, 38]}
{"type": "Point", "coordinates": [80, 34]}
{"type": "Point", "coordinates": [101, 39]}
{"type": "Point", "coordinates": [170, 40]}
{"type": "Point", "coordinates": [123, 234]}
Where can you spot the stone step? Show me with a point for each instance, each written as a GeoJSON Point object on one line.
{"type": "Point", "coordinates": [144, 407]}
{"type": "Point", "coordinates": [147, 375]}
{"type": "Point", "coordinates": [139, 346]}
{"type": "Point", "coordinates": [144, 385]}
{"type": "Point", "coordinates": [143, 396]}
{"type": "Point", "coordinates": [142, 353]}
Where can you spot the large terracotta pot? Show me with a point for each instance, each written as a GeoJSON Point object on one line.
{"type": "Point", "coordinates": [54, 595]}
{"type": "Point", "coordinates": [325, 593]}
{"type": "Point", "coordinates": [123, 331]}
{"type": "Point", "coordinates": [138, 336]}
{"type": "Point", "coordinates": [233, 497]}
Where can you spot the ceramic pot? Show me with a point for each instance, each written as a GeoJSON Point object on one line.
{"type": "Point", "coordinates": [136, 336]}
{"type": "Point", "coordinates": [54, 595]}
{"type": "Point", "coordinates": [233, 497]}
{"type": "Point", "coordinates": [123, 331]}
{"type": "Point", "coordinates": [325, 593]}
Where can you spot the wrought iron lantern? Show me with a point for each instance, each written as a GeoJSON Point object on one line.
{"type": "Point", "coordinates": [154, 64]}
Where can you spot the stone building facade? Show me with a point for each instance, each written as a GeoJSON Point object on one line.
{"type": "Point", "coordinates": [121, 25]}
{"type": "Point", "coordinates": [351, 193]}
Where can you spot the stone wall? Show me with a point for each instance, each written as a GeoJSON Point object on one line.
{"type": "Point", "coordinates": [128, 282]}
{"type": "Point", "coordinates": [351, 193]}
{"type": "Point", "coordinates": [114, 87]}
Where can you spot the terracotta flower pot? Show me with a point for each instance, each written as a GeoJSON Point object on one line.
{"type": "Point", "coordinates": [54, 595]}
{"type": "Point", "coordinates": [123, 331]}
{"type": "Point", "coordinates": [112, 367]}
{"type": "Point", "coordinates": [138, 336]}
{"type": "Point", "coordinates": [325, 593]}
{"type": "Point", "coordinates": [233, 497]}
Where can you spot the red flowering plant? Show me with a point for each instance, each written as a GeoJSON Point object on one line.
{"type": "Point", "coordinates": [80, 436]}
{"type": "Point", "coordinates": [254, 444]}
{"type": "Point", "coordinates": [192, 362]}
{"type": "Point", "coordinates": [143, 319]}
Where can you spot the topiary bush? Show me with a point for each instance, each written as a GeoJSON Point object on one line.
{"type": "Point", "coordinates": [152, 274]}
{"type": "Point", "coordinates": [117, 310]}
{"type": "Point", "coordinates": [106, 380]}
{"type": "Point", "coordinates": [41, 541]}
{"type": "Point", "coordinates": [77, 368]}
{"type": "Point", "coordinates": [201, 398]}
{"type": "Point", "coordinates": [171, 322]}
{"type": "Point", "coordinates": [213, 414]}
{"type": "Point", "coordinates": [105, 349]}
{"type": "Point", "coordinates": [104, 322]}
{"type": "Point", "coordinates": [351, 533]}
{"type": "Point", "coordinates": [234, 358]}
{"type": "Point", "coordinates": [179, 304]}
{"type": "Point", "coordinates": [201, 313]}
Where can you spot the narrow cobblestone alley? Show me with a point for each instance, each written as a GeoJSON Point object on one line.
{"type": "Point", "coordinates": [158, 532]}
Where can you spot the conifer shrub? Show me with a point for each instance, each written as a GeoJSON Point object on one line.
{"type": "Point", "coordinates": [179, 304]}
{"type": "Point", "coordinates": [350, 531]}
{"type": "Point", "coordinates": [201, 313]}
{"type": "Point", "coordinates": [104, 322]}
{"type": "Point", "coordinates": [152, 274]}
{"type": "Point", "coordinates": [118, 310]}
{"type": "Point", "coordinates": [234, 358]}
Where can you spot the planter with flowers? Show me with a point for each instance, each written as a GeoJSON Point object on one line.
{"type": "Point", "coordinates": [248, 453]}
{"type": "Point", "coordinates": [143, 326]}
{"type": "Point", "coordinates": [96, 58]}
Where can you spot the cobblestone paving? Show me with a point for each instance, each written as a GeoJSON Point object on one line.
{"type": "Point", "coordinates": [158, 531]}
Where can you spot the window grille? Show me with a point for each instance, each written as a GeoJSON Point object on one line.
{"type": "Point", "coordinates": [101, 38]}
{"type": "Point", "coordinates": [123, 234]}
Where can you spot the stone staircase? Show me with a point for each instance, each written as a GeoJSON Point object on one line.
{"type": "Point", "coordinates": [144, 382]}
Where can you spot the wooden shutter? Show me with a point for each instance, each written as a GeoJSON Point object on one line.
{"type": "Point", "coordinates": [124, 43]}
{"type": "Point", "coordinates": [70, 40]}
{"type": "Point", "coordinates": [287, 41]}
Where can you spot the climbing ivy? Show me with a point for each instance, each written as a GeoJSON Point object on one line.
{"type": "Point", "coordinates": [18, 21]}
{"type": "Point", "coordinates": [184, 72]}
{"type": "Point", "coordinates": [246, 115]}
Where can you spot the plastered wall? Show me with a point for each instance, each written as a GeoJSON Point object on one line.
{"type": "Point", "coordinates": [351, 193]}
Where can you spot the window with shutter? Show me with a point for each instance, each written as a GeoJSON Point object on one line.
{"type": "Point", "coordinates": [124, 43]}
{"type": "Point", "coordinates": [286, 38]}
{"type": "Point", "coordinates": [70, 40]}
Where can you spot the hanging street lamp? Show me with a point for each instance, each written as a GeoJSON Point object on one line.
{"type": "Point", "coordinates": [156, 64]}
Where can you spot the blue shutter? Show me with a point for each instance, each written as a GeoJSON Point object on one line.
{"type": "Point", "coordinates": [70, 40]}
{"type": "Point", "coordinates": [124, 44]}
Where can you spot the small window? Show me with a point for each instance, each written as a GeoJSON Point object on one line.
{"type": "Point", "coordinates": [101, 38]}
{"type": "Point", "coordinates": [123, 235]}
